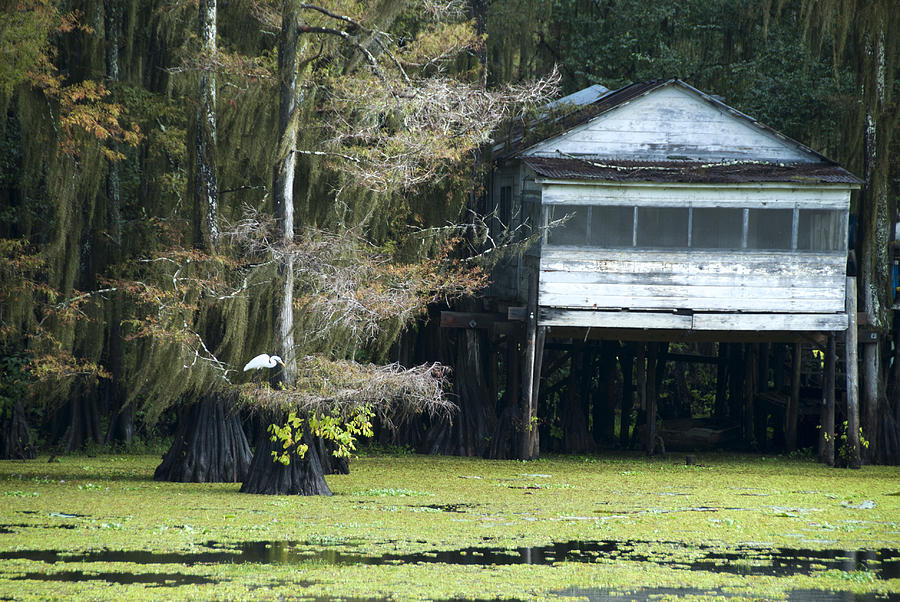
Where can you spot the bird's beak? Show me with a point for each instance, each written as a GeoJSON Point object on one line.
{"type": "Point", "coordinates": [282, 363]}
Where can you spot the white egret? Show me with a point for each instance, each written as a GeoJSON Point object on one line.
{"type": "Point", "coordinates": [263, 360]}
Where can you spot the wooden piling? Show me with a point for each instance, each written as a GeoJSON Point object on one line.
{"type": "Point", "coordinates": [854, 460]}
{"type": "Point", "coordinates": [529, 427]}
{"type": "Point", "coordinates": [652, 354]}
{"type": "Point", "coordinates": [826, 417]}
{"type": "Point", "coordinates": [626, 361]}
{"type": "Point", "coordinates": [793, 410]}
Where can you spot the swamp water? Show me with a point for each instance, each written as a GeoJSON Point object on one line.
{"type": "Point", "coordinates": [742, 560]}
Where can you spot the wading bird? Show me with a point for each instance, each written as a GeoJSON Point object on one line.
{"type": "Point", "coordinates": [263, 360]}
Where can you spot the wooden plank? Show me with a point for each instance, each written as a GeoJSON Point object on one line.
{"type": "Point", "coordinates": [774, 322]}
{"type": "Point", "coordinates": [691, 358]}
{"type": "Point", "coordinates": [646, 261]}
{"type": "Point", "coordinates": [685, 336]}
{"type": "Point", "coordinates": [463, 319]}
{"type": "Point", "coordinates": [613, 319]}
{"type": "Point", "coordinates": [518, 314]}
{"type": "Point", "coordinates": [701, 291]}
{"type": "Point", "coordinates": [687, 277]}
{"type": "Point", "coordinates": [694, 195]}
{"type": "Point", "coordinates": [664, 303]}
{"type": "Point", "coordinates": [701, 321]}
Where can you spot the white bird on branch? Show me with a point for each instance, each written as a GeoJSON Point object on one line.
{"type": "Point", "coordinates": [263, 360]}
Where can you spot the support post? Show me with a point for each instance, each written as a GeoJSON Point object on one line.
{"type": "Point", "coordinates": [793, 410]}
{"type": "Point", "coordinates": [626, 361]}
{"type": "Point", "coordinates": [529, 428]}
{"type": "Point", "coordinates": [536, 388]}
{"type": "Point", "coordinates": [826, 417]}
{"type": "Point", "coordinates": [652, 349]}
{"type": "Point", "coordinates": [720, 410]}
{"type": "Point", "coordinates": [751, 357]}
{"type": "Point", "coordinates": [854, 460]}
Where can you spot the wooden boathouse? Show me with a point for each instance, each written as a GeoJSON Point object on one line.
{"type": "Point", "coordinates": [662, 214]}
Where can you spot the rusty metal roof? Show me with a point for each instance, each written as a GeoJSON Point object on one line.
{"type": "Point", "coordinates": [582, 168]}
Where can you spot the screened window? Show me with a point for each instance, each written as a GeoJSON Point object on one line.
{"type": "Point", "coordinates": [820, 230]}
{"type": "Point", "coordinates": [770, 229]}
{"type": "Point", "coordinates": [662, 227]}
{"type": "Point", "coordinates": [710, 228]}
{"type": "Point", "coordinates": [717, 228]}
{"type": "Point", "coordinates": [574, 230]}
{"type": "Point", "coordinates": [612, 227]}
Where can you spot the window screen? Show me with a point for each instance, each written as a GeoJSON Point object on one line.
{"type": "Point", "coordinates": [574, 230]}
{"type": "Point", "coordinates": [612, 227]}
{"type": "Point", "coordinates": [770, 229]}
{"type": "Point", "coordinates": [820, 230]}
{"type": "Point", "coordinates": [662, 227]}
{"type": "Point", "coordinates": [717, 228]}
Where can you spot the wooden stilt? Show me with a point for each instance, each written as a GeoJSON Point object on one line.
{"type": "Point", "coordinates": [529, 426]}
{"type": "Point", "coordinates": [762, 383]}
{"type": "Point", "coordinates": [855, 459]}
{"type": "Point", "coordinates": [793, 409]}
{"type": "Point", "coordinates": [778, 367]}
{"type": "Point", "coordinates": [642, 375]}
{"type": "Point", "coordinates": [826, 417]}
{"type": "Point", "coordinates": [760, 414]}
{"type": "Point", "coordinates": [751, 358]}
{"type": "Point", "coordinates": [626, 361]}
{"type": "Point", "coordinates": [541, 338]}
{"type": "Point", "coordinates": [720, 410]}
{"type": "Point", "coordinates": [652, 349]}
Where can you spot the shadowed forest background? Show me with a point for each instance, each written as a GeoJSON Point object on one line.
{"type": "Point", "coordinates": [143, 248]}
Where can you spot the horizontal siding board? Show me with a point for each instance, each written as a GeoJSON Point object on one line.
{"type": "Point", "coordinates": [690, 291]}
{"type": "Point", "coordinates": [749, 281]}
{"type": "Point", "coordinates": [707, 322]}
{"type": "Point", "coordinates": [607, 319]}
{"type": "Point", "coordinates": [777, 322]}
{"type": "Point", "coordinates": [695, 195]}
{"type": "Point", "coordinates": [563, 259]}
{"type": "Point", "coordinates": [575, 301]}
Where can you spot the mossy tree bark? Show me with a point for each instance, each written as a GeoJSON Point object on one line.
{"type": "Point", "coordinates": [210, 445]}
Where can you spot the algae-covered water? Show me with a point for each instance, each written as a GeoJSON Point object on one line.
{"type": "Point", "coordinates": [419, 527]}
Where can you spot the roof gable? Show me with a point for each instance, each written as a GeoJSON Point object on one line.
{"type": "Point", "coordinates": [668, 120]}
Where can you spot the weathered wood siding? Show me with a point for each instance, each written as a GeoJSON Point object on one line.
{"type": "Point", "coordinates": [693, 280]}
{"type": "Point", "coordinates": [697, 281]}
{"type": "Point", "coordinates": [696, 195]}
{"type": "Point", "coordinates": [671, 123]}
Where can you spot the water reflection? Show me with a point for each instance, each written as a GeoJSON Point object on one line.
{"type": "Point", "coordinates": [743, 560]}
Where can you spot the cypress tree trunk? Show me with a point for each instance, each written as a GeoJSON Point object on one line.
{"type": "Point", "coordinates": [209, 446]}
{"type": "Point", "coordinates": [15, 436]}
{"type": "Point", "coordinates": [303, 476]}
